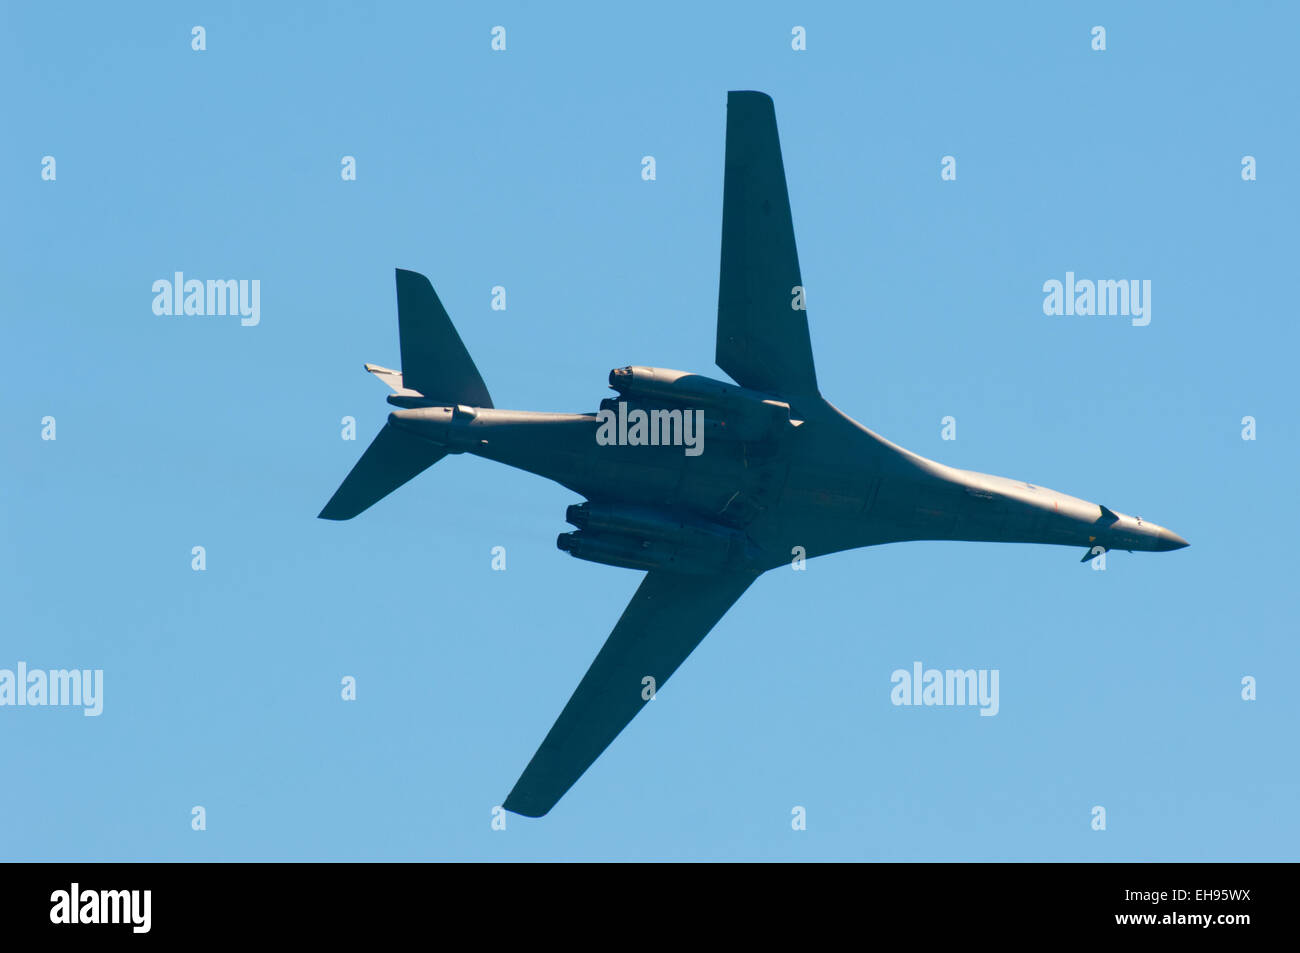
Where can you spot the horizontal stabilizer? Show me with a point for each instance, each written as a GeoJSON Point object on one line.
{"type": "Point", "coordinates": [394, 457]}
{"type": "Point", "coordinates": [393, 379]}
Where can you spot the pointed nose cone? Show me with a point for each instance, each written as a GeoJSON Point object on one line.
{"type": "Point", "coordinates": [1169, 540]}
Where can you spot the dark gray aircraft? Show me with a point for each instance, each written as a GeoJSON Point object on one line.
{"type": "Point", "coordinates": [702, 483]}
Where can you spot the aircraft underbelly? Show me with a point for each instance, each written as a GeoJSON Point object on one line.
{"type": "Point", "coordinates": [745, 485]}
{"type": "Point", "coordinates": [916, 509]}
{"type": "Point", "coordinates": [724, 483]}
{"type": "Point", "coordinates": [727, 480]}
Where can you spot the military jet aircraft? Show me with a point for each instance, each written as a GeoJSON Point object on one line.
{"type": "Point", "coordinates": [778, 470]}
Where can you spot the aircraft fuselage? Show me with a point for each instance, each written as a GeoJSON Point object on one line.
{"type": "Point", "coordinates": [825, 485]}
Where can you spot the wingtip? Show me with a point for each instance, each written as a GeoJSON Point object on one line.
{"type": "Point", "coordinates": [334, 512]}
{"type": "Point", "coordinates": [406, 275]}
{"type": "Point", "coordinates": [514, 807]}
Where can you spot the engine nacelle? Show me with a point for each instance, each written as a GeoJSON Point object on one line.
{"type": "Point", "coordinates": [639, 537]}
{"type": "Point", "coordinates": [730, 411]}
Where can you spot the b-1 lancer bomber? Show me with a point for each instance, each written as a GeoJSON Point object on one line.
{"type": "Point", "coordinates": [703, 484]}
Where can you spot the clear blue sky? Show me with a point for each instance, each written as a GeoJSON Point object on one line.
{"type": "Point", "coordinates": [1118, 688]}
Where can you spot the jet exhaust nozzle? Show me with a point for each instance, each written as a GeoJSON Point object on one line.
{"type": "Point", "coordinates": [577, 515]}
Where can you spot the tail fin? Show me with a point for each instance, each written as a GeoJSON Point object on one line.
{"type": "Point", "coordinates": [435, 365]}
{"type": "Point", "coordinates": [393, 458]}
{"type": "Point", "coordinates": [434, 361]}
